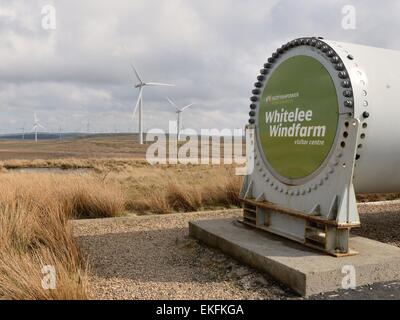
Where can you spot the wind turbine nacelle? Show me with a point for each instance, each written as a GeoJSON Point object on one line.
{"type": "Point", "coordinates": [325, 119]}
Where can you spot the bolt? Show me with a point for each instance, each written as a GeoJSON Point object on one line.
{"type": "Point", "coordinates": [346, 84]}
{"type": "Point", "coordinates": [348, 93]}
{"type": "Point", "coordinates": [254, 98]}
{"type": "Point", "coordinates": [330, 53]}
{"type": "Point", "coordinates": [339, 66]}
{"type": "Point", "coordinates": [348, 104]}
{"type": "Point", "coordinates": [335, 59]}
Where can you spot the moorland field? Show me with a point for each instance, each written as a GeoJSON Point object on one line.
{"type": "Point", "coordinates": [43, 185]}
{"type": "Point", "coordinates": [46, 185]}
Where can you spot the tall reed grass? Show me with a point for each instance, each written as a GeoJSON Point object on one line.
{"type": "Point", "coordinates": [182, 195]}
{"type": "Point", "coordinates": [35, 209]}
{"type": "Point", "coordinates": [35, 232]}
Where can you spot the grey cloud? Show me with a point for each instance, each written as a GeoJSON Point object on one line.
{"type": "Point", "coordinates": [212, 51]}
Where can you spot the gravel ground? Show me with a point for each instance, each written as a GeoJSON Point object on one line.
{"type": "Point", "coordinates": [152, 257]}
{"type": "Point", "coordinates": [380, 221]}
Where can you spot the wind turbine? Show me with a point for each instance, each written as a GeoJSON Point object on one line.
{"type": "Point", "coordinates": [179, 114]}
{"type": "Point", "coordinates": [139, 103]}
{"type": "Point", "coordinates": [36, 125]}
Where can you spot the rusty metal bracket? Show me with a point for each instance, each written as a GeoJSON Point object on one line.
{"type": "Point", "coordinates": [315, 231]}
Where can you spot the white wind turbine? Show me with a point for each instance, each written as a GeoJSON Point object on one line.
{"type": "Point", "coordinates": [179, 115]}
{"type": "Point", "coordinates": [139, 103]}
{"type": "Point", "coordinates": [36, 125]}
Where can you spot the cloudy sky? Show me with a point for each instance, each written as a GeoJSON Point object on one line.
{"type": "Point", "coordinates": [211, 50]}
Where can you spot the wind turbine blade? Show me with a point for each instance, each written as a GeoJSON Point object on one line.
{"type": "Point", "coordinates": [188, 106]}
{"type": "Point", "coordinates": [39, 125]}
{"type": "Point", "coordinates": [159, 84]}
{"type": "Point", "coordinates": [138, 102]}
{"type": "Point", "coordinates": [172, 104]}
{"type": "Point", "coordinates": [35, 117]}
{"type": "Point", "coordinates": [136, 73]}
{"type": "Point", "coordinates": [33, 128]}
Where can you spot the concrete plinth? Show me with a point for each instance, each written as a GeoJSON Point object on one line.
{"type": "Point", "coordinates": [304, 270]}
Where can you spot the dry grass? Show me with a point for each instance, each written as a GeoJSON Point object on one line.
{"type": "Point", "coordinates": [78, 196]}
{"type": "Point", "coordinates": [152, 189]}
{"type": "Point", "coordinates": [32, 237]}
{"type": "Point", "coordinates": [186, 193]}
{"type": "Point", "coordinates": [34, 231]}
{"type": "Point", "coordinates": [35, 209]}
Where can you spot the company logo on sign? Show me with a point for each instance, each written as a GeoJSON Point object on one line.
{"type": "Point", "coordinates": [283, 97]}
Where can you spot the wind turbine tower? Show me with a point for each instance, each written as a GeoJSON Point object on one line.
{"type": "Point", "coordinates": [139, 103]}
{"type": "Point", "coordinates": [36, 125]}
{"type": "Point", "coordinates": [179, 112]}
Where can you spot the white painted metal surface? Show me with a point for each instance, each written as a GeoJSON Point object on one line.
{"type": "Point", "coordinates": [375, 77]}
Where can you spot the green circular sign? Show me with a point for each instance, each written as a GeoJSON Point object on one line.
{"type": "Point", "coordinates": [298, 117]}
